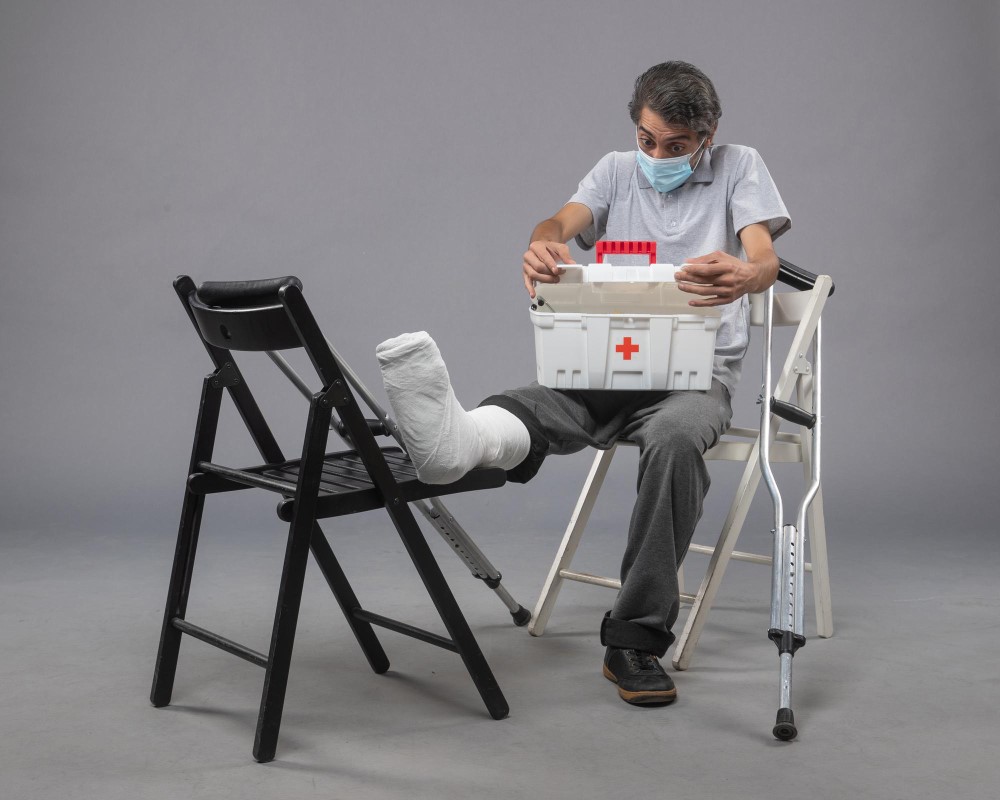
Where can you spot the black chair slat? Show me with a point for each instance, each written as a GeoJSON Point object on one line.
{"type": "Point", "coordinates": [332, 479]}
{"type": "Point", "coordinates": [344, 470]}
{"type": "Point", "coordinates": [401, 463]}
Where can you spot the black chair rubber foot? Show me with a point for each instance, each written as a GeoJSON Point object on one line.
{"type": "Point", "coordinates": [521, 617]}
{"type": "Point", "coordinates": [784, 727]}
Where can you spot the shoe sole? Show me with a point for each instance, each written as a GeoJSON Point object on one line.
{"type": "Point", "coordinates": [642, 698]}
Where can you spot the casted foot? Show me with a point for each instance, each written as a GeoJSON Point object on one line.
{"type": "Point", "coordinates": [444, 441]}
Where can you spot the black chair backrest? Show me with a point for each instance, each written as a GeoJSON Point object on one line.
{"type": "Point", "coordinates": [245, 315]}
{"type": "Point", "coordinates": [269, 314]}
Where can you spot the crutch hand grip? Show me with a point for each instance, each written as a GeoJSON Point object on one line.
{"type": "Point", "coordinates": [793, 413]}
{"type": "Point", "coordinates": [376, 426]}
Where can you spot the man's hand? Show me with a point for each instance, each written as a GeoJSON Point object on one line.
{"type": "Point", "coordinates": [724, 278]}
{"type": "Point", "coordinates": [541, 263]}
{"type": "Point", "coordinates": [546, 252]}
{"type": "Point", "coordinates": [718, 278]}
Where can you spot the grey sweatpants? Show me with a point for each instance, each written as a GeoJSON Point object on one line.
{"type": "Point", "coordinates": [673, 430]}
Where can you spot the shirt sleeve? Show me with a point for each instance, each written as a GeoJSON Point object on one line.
{"type": "Point", "coordinates": [595, 192]}
{"type": "Point", "coordinates": [755, 197]}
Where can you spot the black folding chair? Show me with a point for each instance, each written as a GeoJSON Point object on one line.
{"type": "Point", "coordinates": [272, 315]}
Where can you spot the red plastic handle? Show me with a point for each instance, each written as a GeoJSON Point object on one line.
{"type": "Point", "coordinates": [613, 248]}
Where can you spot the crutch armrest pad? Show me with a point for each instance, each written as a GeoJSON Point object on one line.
{"type": "Point", "coordinates": [796, 277]}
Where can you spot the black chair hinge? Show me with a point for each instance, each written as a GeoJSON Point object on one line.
{"type": "Point", "coordinates": [336, 395]}
{"type": "Point", "coordinates": [226, 376]}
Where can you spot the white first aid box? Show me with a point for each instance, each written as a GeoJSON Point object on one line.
{"type": "Point", "coordinates": [622, 327]}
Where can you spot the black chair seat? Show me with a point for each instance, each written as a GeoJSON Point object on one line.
{"type": "Point", "coordinates": [345, 484]}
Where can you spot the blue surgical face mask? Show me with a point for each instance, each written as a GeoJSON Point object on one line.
{"type": "Point", "coordinates": [665, 174]}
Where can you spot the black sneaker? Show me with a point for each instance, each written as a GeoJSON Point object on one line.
{"type": "Point", "coordinates": [639, 676]}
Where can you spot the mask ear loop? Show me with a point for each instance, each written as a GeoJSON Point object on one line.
{"type": "Point", "coordinates": [703, 151]}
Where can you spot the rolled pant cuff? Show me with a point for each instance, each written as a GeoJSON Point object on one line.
{"type": "Point", "coordinates": [632, 636]}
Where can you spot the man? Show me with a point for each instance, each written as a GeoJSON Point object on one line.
{"type": "Point", "coordinates": [712, 208]}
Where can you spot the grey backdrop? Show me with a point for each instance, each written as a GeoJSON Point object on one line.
{"type": "Point", "coordinates": [395, 157]}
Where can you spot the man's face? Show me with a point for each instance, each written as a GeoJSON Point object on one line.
{"type": "Point", "coordinates": [661, 140]}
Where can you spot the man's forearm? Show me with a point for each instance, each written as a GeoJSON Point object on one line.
{"type": "Point", "coordinates": [563, 225]}
{"type": "Point", "coordinates": [767, 271]}
{"type": "Point", "coordinates": [549, 230]}
{"type": "Point", "coordinates": [759, 249]}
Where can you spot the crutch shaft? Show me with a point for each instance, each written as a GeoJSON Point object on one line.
{"type": "Point", "coordinates": [785, 681]}
{"type": "Point", "coordinates": [474, 558]}
{"type": "Point", "coordinates": [784, 724]}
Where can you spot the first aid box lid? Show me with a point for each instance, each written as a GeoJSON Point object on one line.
{"type": "Point", "coordinates": [611, 289]}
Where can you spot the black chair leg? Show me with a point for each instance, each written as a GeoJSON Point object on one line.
{"type": "Point", "coordinates": [184, 553]}
{"type": "Point", "coordinates": [279, 660]}
{"type": "Point", "coordinates": [447, 607]}
{"type": "Point", "coordinates": [348, 601]}
{"type": "Point", "coordinates": [293, 575]}
{"type": "Point", "coordinates": [177, 596]}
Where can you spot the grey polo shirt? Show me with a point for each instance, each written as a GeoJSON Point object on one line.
{"type": "Point", "coordinates": [728, 190]}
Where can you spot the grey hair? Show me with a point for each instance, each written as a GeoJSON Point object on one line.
{"type": "Point", "coordinates": [679, 93]}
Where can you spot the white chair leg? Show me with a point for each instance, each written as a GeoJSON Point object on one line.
{"type": "Point", "coordinates": [688, 640]}
{"type": "Point", "coordinates": [567, 549]}
{"type": "Point", "coordinates": [820, 569]}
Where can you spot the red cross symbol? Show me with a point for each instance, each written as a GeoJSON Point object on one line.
{"type": "Point", "coordinates": [626, 348]}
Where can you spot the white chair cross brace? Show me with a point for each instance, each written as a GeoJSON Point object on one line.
{"type": "Point", "coordinates": [803, 310]}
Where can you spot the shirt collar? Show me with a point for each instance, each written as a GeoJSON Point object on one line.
{"type": "Point", "coordinates": [702, 173]}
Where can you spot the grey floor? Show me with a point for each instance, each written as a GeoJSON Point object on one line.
{"type": "Point", "coordinates": [901, 703]}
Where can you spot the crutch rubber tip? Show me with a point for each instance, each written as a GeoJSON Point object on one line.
{"type": "Point", "coordinates": [784, 726]}
{"type": "Point", "coordinates": [521, 616]}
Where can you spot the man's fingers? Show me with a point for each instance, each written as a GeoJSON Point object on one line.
{"type": "Point", "coordinates": [562, 253]}
{"type": "Point", "coordinates": [540, 263]}
{"type": "Point", "coordinates": [692, 271]}
{"type": "Point", "coordinates": [709, 258]}
{"type": "Point", "coordinates": [694, 288]}
{"type": "Point", "coordinates": [553, 254]}
{"type": "Point", "coordinates": [539, 275]}
{"type": "Point", "coordinates": [549, 254]}
{"type": "Point", "coordinates": [709, 302]}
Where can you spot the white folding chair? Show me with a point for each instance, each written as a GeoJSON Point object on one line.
{"type": "Point", "coordinates": [801, 309]}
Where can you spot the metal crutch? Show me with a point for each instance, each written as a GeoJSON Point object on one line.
{"type": "Point", "coordinates": [432, 508]}
{"type": "Point", "coordinates": [788, 569]}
